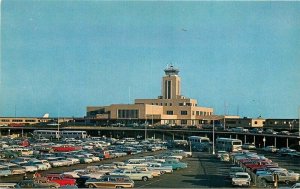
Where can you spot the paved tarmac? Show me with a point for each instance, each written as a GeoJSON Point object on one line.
{"type": "Point", "coordinates": [204, 171]}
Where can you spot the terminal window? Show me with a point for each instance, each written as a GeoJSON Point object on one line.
{"type": "Point", "coordinates": [183, 112]}
{"type": "Point", "coordinates": [169, 112]}
{"type": "Point", "coordinates": [128, 113]}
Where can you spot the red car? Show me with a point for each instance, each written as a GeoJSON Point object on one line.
{"type": "Point", "coordinates": [61, 179]}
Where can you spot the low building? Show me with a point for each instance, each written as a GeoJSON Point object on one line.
{"type": "Point", "coordinates": [171, 108]}
{"type": "Point", "coordinates": [245, 122]}
{"type": "Point", "coordinates": [282, 124]}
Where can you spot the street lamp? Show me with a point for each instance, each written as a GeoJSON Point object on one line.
{"type": "Point", "coordinates": [264, 140]}
{"type": "Point", "coordinates": [213, 150]}
{"type": "Point", "coordinates": [299, 124]}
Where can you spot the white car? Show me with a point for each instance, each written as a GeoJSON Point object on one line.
{"type": "Point", "coordinates": [40, 166]}
{"type": "Point", "coordinates": [74, 160]}
{"type": "Point", "coordinates": [91, 156]}
{"type": "Point", "coordinates": [133, 174]}
{"type": "Point", "coordinates": [45, 162]}
{"type": "Point", "coordinates": [160, 167]}
{"type": "Point", "coordinates": [30, 168]}
{"type": "Point", "coordinates": [241, 179]}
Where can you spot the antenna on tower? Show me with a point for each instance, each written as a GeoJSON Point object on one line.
{"type": "Point", "coordinates": [129, 95]}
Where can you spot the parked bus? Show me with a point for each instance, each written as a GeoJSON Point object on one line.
{"type": "Point", "coordinates": [50, 134]}
{"type": "Point", "coordinates": [74, 134]}
{"type": "Point", "coordinates": [195, 140]}
{"type": "Point", "coordinates": [54, 134]}
{"type": "Point", "coordinates": [229, 144]}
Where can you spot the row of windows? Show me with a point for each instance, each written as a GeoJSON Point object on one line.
{"type": "Point", "coordinates": [202, 113]}
{"type": "Point", "coordinates": [128, 113]}
{"type": "Point", "coordinates": [18, 120]}
{"type": "Point", "coordinates": [161, 104]}
{"type": "Point", "coordinates": [183, 112]}
{"type": "Point", "coordinates": [170, 104]}
{"type": "Point", "coordinates": [283, 122]}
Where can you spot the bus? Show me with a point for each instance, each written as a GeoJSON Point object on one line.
{"type": "Point", "coordinates": [74, 134]}
{"type": "Point", "coordinates": [195, 140]}
{"type": "Point", "coordinates": [49, 134]}
{"type": "Point", "coordinates": [228, 144]}
{"type": "Point", "coordinates": [55, 134]}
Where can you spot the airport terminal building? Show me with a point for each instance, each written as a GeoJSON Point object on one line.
{"type": "Point", "coordinates": [171, 108]}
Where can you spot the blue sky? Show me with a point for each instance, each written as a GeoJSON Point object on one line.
{"type": "Point", "coordinates": [61, 56]}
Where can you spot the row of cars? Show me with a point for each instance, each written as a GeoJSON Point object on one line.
{"type": "Point", "coordinates": [285, 151]}
{"type": "Point", "coordinates": [251, 167]}
{"type": "Point", "coordinates": [39, 156]}
{"type": "Point", "coordinates": [237, 174]}
{"type": "Point", "coordinates": [261, 131]}
{"type": "Point", "coordinates": [261, 170]}
{"type": "Point", "coordinates": [46, 155]}
{"type": "Point", "coordinates": [115, 175]}
{"type": "Point", "coordinates": [137, 169]}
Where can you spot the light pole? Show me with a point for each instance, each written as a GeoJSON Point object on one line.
{"type": "Point", "coordinates": [299, 124]}
{"type": "Point", "coordinates": [264, 140]}
{"type": "Point", "coordinates": [213, 150]}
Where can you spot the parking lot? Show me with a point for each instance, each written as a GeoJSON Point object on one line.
{"type": "Point", "coordinates": [204, 171]}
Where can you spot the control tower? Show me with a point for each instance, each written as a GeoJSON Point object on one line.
{"type": "Point", "coordinates": [171, 83]}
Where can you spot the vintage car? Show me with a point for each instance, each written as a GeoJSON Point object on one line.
{"type": "Point", "coordinates": [175, 164]}
{"type": "Point", "coordinates": [39, 165]}
{"type": "Point", "coordinates": [154, 173]}
{"type": "Point", "coordinates": [38, 183]}
{"type": "Point", "coordinates": [61, 179]}
{"type": "Point", "coordinates": [241, 179]}
{"type": "Point", "coordinates": [4, 171]}
{"type": "Point", "coordinates": [29, 168]}
{"type": "Point", "coordinates": [110, 181]}
{"type": "Point", "coordinates": [160, 167]}
{"type": "Point", "coordinates": [15, 169]}
{"type": "Point", "coordinates": [133, 174]}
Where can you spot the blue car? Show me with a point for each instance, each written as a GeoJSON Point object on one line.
{"type": "Point", "coordinates": [4, 171]}
{"type": "Point", "coordinates": [175, 164]}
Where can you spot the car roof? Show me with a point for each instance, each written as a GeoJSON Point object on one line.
{"type": "Point", "coordinates": [241, 173]}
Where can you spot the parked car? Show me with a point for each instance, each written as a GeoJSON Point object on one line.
{"type": "Point", "coordinates": [241, 179]}
{"type": "Point", "coordinates": [9, 185]}
{"type": "Point", "coordinates": [15, 169]}
{"type": "Point", "coordinates": [284, 133]}
{"type": "Point", "coordinates": [110, 181]}
{"type": "Point", "coordinates": [285, 151]}
{"type": "Point", "coordinates": [270, 149]}
{"type": "Point", "coordinates": [160, 167]}
{"type": "Point", "coordinates": [39, 183]}
{"type": "Point", "coordinates": [256, 130]}
{"type": "Point", "coordinates": [283, 176]}
{"type": "Point", "coordinates": [4, 171]}
{"type": "Point", "coordinates": [248, 146]}
{"type": "Point", "coordinates": [175, 164]}
{"type": "Point", "coordinates": [61, 179]}
{"type": "Point", "coordinates": [133, 174]}
{"type": "Point", "coordinates": [271, 131]}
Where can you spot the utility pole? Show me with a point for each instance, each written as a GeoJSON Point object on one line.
{"type": "Point", "coordinates": [213, 150]}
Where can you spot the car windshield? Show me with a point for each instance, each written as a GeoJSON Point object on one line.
{"type": "Point", "coordinates": [241, 176]}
